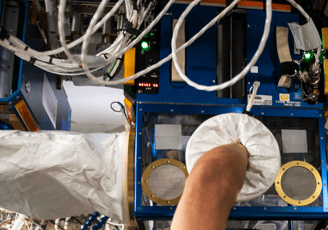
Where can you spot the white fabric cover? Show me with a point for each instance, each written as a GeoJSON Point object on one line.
{"type": "Point", "coordinates": [250, 132]}
{"type": "Point", "coordinates": [55, 174]}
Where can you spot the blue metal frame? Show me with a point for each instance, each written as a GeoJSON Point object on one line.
{"type": "Point", "coordinates": [292, 212]}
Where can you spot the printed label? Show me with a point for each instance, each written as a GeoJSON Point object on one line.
{"type": "Point", "coordinates": [290, 103]}
{"type": "Point", "coordinates": [261, 99]}
{"type": "Point", "coordinates": [297, 34]}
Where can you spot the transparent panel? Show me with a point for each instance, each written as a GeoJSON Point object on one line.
{"type": "Point", "coordinates": [189, 123]}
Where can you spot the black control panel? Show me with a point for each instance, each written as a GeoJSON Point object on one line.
{"type": "Point", "coordinates": [147, 54]}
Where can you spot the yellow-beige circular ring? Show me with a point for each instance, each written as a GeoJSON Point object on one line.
{"type": "Point", "coordinates": [314, 172]}
{"type": "Point", "coordinates": [147, 172]}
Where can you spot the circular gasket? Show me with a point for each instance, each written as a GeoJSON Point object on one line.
{"type": "Point", "coordinates": [311, 169]}
{"type": "Point", "coordinates": [145, 179]}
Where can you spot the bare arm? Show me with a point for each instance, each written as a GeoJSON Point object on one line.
{"type": "Point", "coordinates": [211, 189]}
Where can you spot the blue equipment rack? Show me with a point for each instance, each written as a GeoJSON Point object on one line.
{"type": "Point", "coordinates": [182, 99]}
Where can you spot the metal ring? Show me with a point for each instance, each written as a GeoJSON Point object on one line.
{"type": "Point", "coordinates": [147, 172]}
{"type": "Point", "coordinates": [311, 169]}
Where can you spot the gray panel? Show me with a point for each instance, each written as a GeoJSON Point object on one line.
{"type": "Point", "coordinates": [168, 137]}
{"type": "Point", "coordinates": [294, 141]}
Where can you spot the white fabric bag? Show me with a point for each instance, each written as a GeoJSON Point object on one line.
{"type": "Point", "coordinates": [240, 128]}
{"type": "Point", "coordinates": [55, 174]}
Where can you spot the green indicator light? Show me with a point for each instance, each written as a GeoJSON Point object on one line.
{"type": "Point", "coordinates": [152, 34]}
{"type": "Point", "coordinates": [145, 46]}
{"type": "Point", "coordinates": [307, 55]}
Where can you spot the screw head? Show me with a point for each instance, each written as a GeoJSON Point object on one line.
{"type": "Point", "coordinates": [291, 114]}
{"type": "Point", "coordinates": [140, 109]}
{"type": "Point", "coordinates": [265, 208]}
{"type": "Point", "coordinates": [202, 111]}
{"type": "Point", "coordinates": [320, 115]}
{"type": "Point", "coordinates": [262, 113]}
{"type": "Point", "coordinates": [27, 86]}
{"type": "Point", "coordinates": [171, 110]}
{"type": "Point", "coordinates": [139, 133]}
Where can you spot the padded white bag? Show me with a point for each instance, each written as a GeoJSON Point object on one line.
{"type": "Point", "coordinates": [240, 128]}
{"type": "Point", "coordinates": [56, 174]}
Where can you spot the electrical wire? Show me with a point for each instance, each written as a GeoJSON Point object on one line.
{"type": "Point", "coordinates": [300, 9]}
{"type": "Point", "coordinates": [72, 66]}
{"type": "Point", "coordinates": [244, 71]}
{"type": "Point", "coordinates": [85, 66]}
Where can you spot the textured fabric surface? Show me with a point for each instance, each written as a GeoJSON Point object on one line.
{"type": "Point", "coordinates": [240, 128]}
{"type": "Point", "coordinates": [49, 175]}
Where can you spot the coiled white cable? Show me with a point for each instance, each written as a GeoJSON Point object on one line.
{"type": "Point", "coordinates": [244, 71]}
{"type": "Point", "coordinates": [300, 9]}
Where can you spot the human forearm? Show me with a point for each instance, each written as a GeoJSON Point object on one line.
{"type": "Point", "coordinates": [211, 189]}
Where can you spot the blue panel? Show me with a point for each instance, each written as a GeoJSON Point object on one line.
{"type": "Point", "coordinates": [269, 65]}
{"type": "Point", "coordinates": [200, 60]}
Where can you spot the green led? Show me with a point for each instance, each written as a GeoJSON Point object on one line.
{"type": "Point", "coordinates": [307, 55]}
{"type": "Point", "coordinates": [145, 46]}
{"type": "Point", "coordinates": [152, 34]}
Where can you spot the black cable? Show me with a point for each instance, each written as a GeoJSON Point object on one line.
{"type": "Point", "coordinates": [76, 220]}
{"type": "Point", "coordinates": [51, 221]}
{"type": "Point", "coordinates": [122, 108]}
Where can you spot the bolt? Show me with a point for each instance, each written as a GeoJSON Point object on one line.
{"type": "Point", "coordinates": [321, 138]}
{"type": "Point", "coordinates": [138, 208]}
{"type": "Point", "coordinates": [27, 87]}
{"type": "Point", "coordinates": [171, 208]}
{"type": "Point", "coordinates": [249, 83]}
{"type": "Point", "coordinates": [320, 115]}
{"type": "Point", "coordinates": [202, 111]}
{"type": "Point", "coordinates": [139, 133]}
{"type": "Point", "coordinates": [265, 208]}
{"type": "Point", "coordinates": [248, 25]}
{"type": "Point", "coordinates": [140, 109]}
{"type": "Point", "coordinates": [291, 114]}
{"type": "Point", "coordinates": [139, 158]}
{"type": "Point", "coordinates": [17, 97]}
{"type": "Point", "coordinates": [234, 208]}
{"type": "Point", "coordinates": [213, 81]}
{"type": "Point", "coordinates": [295, 208]}
{"type": "Point", "coordinates": [262, 113]}
{"type": "Point", "coordinates": [171, 110]}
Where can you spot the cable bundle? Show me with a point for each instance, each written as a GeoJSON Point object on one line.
{"type": "Point", "coordinates": [136, 13]}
